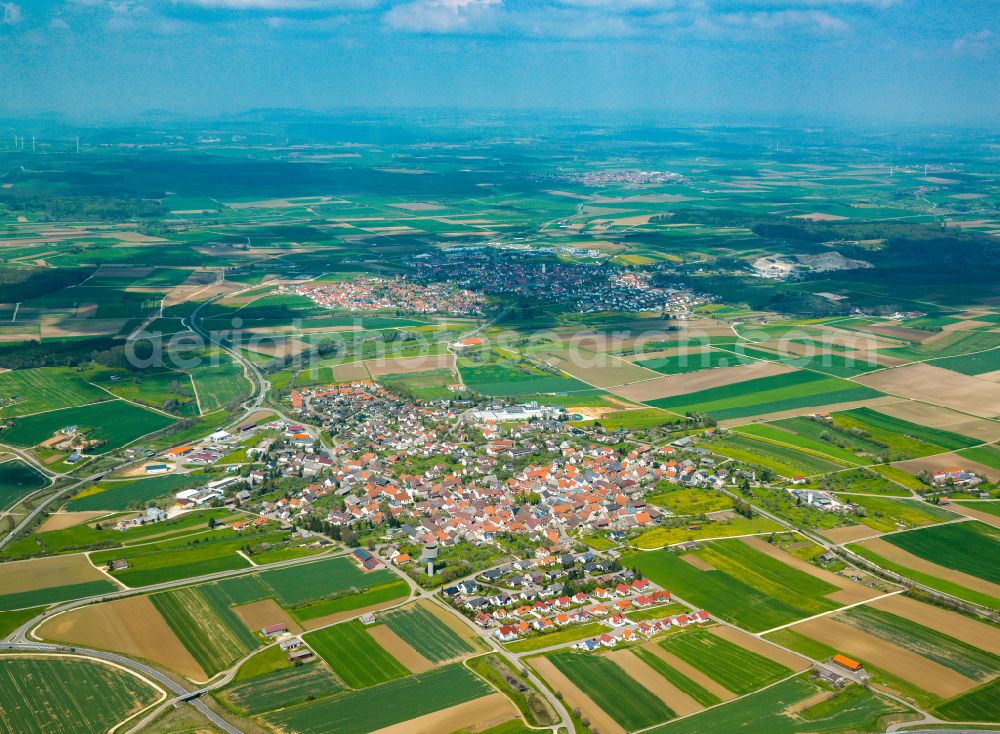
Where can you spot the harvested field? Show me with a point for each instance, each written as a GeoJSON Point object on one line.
{"type": "Point", "coordinates": [262, 613]}
{"type": "Point", "coordinates": [351, 372]}
{"type": "Point", "coordinates": [970, 510]}
{"type": "Point", "coordinates": [794, 412]}
{"type": "Point", "coordinates": [666, 387]}
{"type": "Point", "coordinates": [481, 713]}
{"type": "Point", "coordinates": [689, 671]}
{"type": "Point", "coordinates": [966, 629]}
{"type": "Point", "coordinates": [916, 669]}
{"type": "Point", "coordinates": [575, 698]}
{"type": "Point", "coordinates": [130, 626]}
{"type": "Point", "coordinates": [675, 699]}
{"type": "Point", "coordinates": [755, 644]}
{"type": "Point", "coordinates": [938, 386]}
{"type": "Point", "coordinates": [379, 367]}
{"type": "Point", "coordinates": [942, 418]}
{"type": "Point", "coordinates": [600, 370]}
{"type": "Point", "coordinates": [897, 555]}
{"type": "Point", "coordinates": [697, 561]}
{"type": "Point", "coordinates": [850, 592]}
{"type": "Point", "coordinates": [399, 649]}
{"type": "Point", "coordinates": [848, 534]}
{"type": "Point", "coordinates": [899, 332]}
{"type": "Point", "coordinates": [946, 462]}
{"type": "Point", "coordinates": [63, 520]}
{"type": "Point", "coordinates": [43, 573]}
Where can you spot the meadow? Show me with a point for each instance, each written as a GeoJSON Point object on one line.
{"type": "Point", "coordinates": [507, 380]}
{"type": "Point", "coordinates": [900, 436]}
{"type": "Point", "coordinates": [622, 697]}
{"type": "Point", "coordinates": [354, 655]}
{"type": "Point", "coordinates": [202, 620]}
{"type": "Point", "coordinates": [763, 395]}
{"type": "Point", "coordinates": [885, 514]}
{"type": "Point", "coordinates": [61, 695]}
{"type": "Point", "coordinates": [682, 501]}
{"type": "Point", "coordinates": [426, 634]}
{"type": "Point", "coordinates": [784, 460]}
{"type": "Point", "coordinates": [809, 435]}
{"type": "Point", "coordinates": [114, 423]}
{"type": "Point", "coordinates": [366, 710]}
{"type": "Point", "coordinates": [979, 704]}
{"type": "Point", "coordinates": [311, 582]}
{"type": "Point", "coordinates": [23, 392]}
{"type": "Point", "coordinates": [736, 669]}
{"type": "Point", "coordinates": [660, 537]}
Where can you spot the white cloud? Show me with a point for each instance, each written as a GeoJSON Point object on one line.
{"type": "Point", "coordinates": [11, 15]}
{"type": "Point", "coordinates": [444, 16]}
{"type": "Point", "coordinates": [977, 43]}
{"type": "Point", "coordinates": [279, 5]}
{"type": "Point", "coordinates": [817, 20]}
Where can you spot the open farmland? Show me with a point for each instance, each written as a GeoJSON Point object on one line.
{"type": "Point", "coordinates": [685, 361]}
{"type": "Point", "coordinates": [886, 514]}
{"type": "Point", "coordinates": [426, 633]}
{"type": "Point", "coordinates": [114, 423]}
{"type": "Point", "coordinates": [17, 480]}
{"type": "Point", "coordinates": [939, 387]}
{"type": "Point", "coordinates": [815, 436]}
{"type": "Point", "coordinates": [354, 655]}
{"type": "Point", "coordinates": [336, 608]}
{"type": "Point", "coordinates": [744, 586]}
{"type": "Point", "coordinates": [282, 688]}
{"type": "Point", "coordinates": [202, 620]}
{"type": "Point", "coordinates": [23, 392]}
{"type": "Point", "coordinates": [967, 547]}
{"type": "Point", "coordinates": [783, 460]}
{"type": "Point", "coordinates": [901, 437]}
{"type": "Point", "coordinates": [737, 669]}
{"type": "Point", "coordinates": [65, 695]}
{"type": "Point", "coordinates": [764, 395]}
{"type": "Point", "coordinates": [980, 704]}
{"type": "Point", "coordinates": [796, 706]}
{"type": "Point", "coordinates": [311, 582]}
{"type": "Point", "coordinates": [366, 710]}
{"type": "Point", "coordinates": [507, 380]}
{"type": "Point", "coordinates": [120, 495]}
{"type": "Point", "coordinates": [622, 697]}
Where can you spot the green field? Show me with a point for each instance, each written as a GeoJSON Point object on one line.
{"type": "Point", "coordinates": [825, 361]}
{"type": "Point", "coordinates": [314, 581]}
{"type": "Point", "coordinates": [354, 655]}
{"type": "Point", "coordinates": [618, 694]}
{"type": "Point", "coordinates": [45, 388]}
{"type": "Point", "coordinates": [933, 644]}
{"type": "Point", "coordinates": [853, 710]}
{"type": "Point", "coordinates": [507, 380]}
{"type": "Point", "coordinates": [979, 704]}
{"type": "Point", "coordinates": [986, 455]}
{"type": "Point", "coordinates": [115, 423]}
{"type": "Point", "coordinates": [970, 547]}
{"type": "Point", "coordinates": [734, 668]}
{"type": "Point", "coordinates": [677, 679]}
{"type": "Point", "coordinates": [971, 364]}
{"type": "Point", "coordinates": [202, 620]}
{"type": "Point", "coordinates": [63, 695]}
{"type": "Point", "coordinates": [885, 513]}
{"type": "Point", "coordinates": [282, 688]}
{"type": "Point", "coordinates": [378, 594]}
{"type": "Point", "coordinates": [663, 536]}
{"type": "Point", "coordinates": [566, 634]}
{"type": "Point", "coordinates": [900, 436]}
{"type": "Point", "coordinates": [690, 501]}
{"type": "Point", "coordinates": [808, 434]}
{"type": "Point", "coordinates": [18, 479]}
{"type": "Point", "coordinates": [784, 460]}
{"type": "Point", "coordinates": [681, 363]}
{"type": "Point", "coordinates": [121, 495]}
{"type": "Point", "coordinates": [747, 588]}
{"type": "Point", "coordinates": [767, 395]}
{"type": "Point", "coordinates": [53, 594]}
{"type": "Point", "coordinates": [220, 385]}
{"type": "Point", "coordinates": [381, 706]}
{"type": "Point", "coordinates": [242, 589]}
{"type": "Point", "coordinates": [426, 634]}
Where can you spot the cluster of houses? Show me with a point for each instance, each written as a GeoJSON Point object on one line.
{"type": "Point", "coordinates": [374, 293]}
{"type": "Point", "coordinates": [956, 477]}
{"type": "Point", "coordinates": [634, 632]}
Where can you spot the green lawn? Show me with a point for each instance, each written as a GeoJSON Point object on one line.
{"type": "Point", "coordinates": [354, 655]}
{"type": "Point", "coordinates": [622, 697]}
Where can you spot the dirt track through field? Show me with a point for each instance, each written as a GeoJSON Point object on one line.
{"type": "Point", "coordinates": [675, 699]}
{"type": "Point", "coordinates": [763, 648]}
{"type": "Point", "coordinates": [983, 636]}
{"type": "Point", "coordinates": [689, 671]}
{"type": "Point", "coordinates": [672, 385]}
{"type": "Point", "coordinates": [908, 560]}
{"type": "Point", "coordinates": [400, 649]}
{"type": "Point", "coordinates": [938, 386]}
{"type": "Point", "coordinates": [43, 573]}
{"type": "Point", "coordinates": [850, 592]}
{"type": "Point", "coordinates": [923, 673]}
{"type": "Point", "coordinates": [947, 420]}
{"type": "Point", "coordinates": [575, 698]}
{"type": "Point", "coordinates": [482, 713]}
{"type": "Point", "coordinates": [130, 626]}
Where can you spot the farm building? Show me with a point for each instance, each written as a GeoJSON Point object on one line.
{"type": "Point", "coordinates": [273, 630]}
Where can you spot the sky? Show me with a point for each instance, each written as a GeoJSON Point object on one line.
{"type": "Point", "coordinates": [914, 62]}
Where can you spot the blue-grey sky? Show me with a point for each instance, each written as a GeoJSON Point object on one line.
{"type": "Point", "coordinates": [912, 61]}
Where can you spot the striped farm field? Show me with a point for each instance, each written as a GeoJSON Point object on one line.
{"type": "Point", "coordinates": [733, 667]}
{"type": "Point", "coordinates": [282, 688]}
{"type": "Point", "coordinates": [804, 433]}
{"type": "Point", "coordinates": [980, 704]}
{"type": "Point", "coordinates": [972, 548]}
{"type": "Point", "coordinates": [900, 435]}
{"type": "Point", "coordinates": [683, 683]}
{"type": "Point", "coordinates": [426, 634]}
{"type": "Point", "coordinates": [788, 391]}
{"type": "Point", "coordinates": [67, 695]}
{"type": "Point", "coordinates": [202, 620]}
{"type": "Point", "coordinates": [622, 697]}
{"type": "Point", "coordinates": [46, 388]}
{"type": "Point", "coordinates": [354, 655]}
{"type": "Point", "coordinates": [382, 706]}
{"type": "Point", "coordinates": [683, 362]}
{"type": "Point", "coordinates": [314, 581]}
{"type": "Point", "coordinates": [785, 460]}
